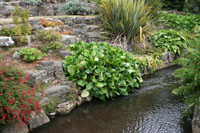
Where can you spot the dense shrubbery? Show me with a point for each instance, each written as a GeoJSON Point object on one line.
{"type": "Point", "coordinates": [125, 17]}
{"type": "Point", "coordinates": [101, 70]}
{"type": "Point", "coordinates": [21, 30]}
{"type": "Point", "coordinates": [75, 7]}
{"type": "Point", "coordinates": [186, 23]}
{"type": "Point", "coordinates": [17, 100]}
{"type": "Point", "coordinates": [156, 6]}
{"type": "Point", "coordinates": [190, 6]}
{"type": "Point", "coordinates": [189, 75]}
{"type": "Point", "coordinates": [169, 40]}
{"type": "Point", "coordinates": [30, 54]}
{"type": "Point", "coordinates": [173, 4]}
{"type": "Point", "coordinates": [50, 39]}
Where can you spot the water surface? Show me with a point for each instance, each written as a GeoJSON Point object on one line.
{"type": "Point", "coordinates": [151, 109]}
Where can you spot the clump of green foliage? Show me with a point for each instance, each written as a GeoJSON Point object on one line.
{"type": "Point", "coordinates": [186, 22]}
{"type": "Point", "coordinates": [192, 6]}
{"type": "Point", "coordinates": [189, 75]}
{"type": "Point", "coordinates": [148, 62]}
{"type": "Point", "coordinates": [156, 6]}
{"type": "Point", "coordinates": [50, 39]}
{"type": "Point", "coordinates": [125, 17]}
{"type": "Point", "coordinates": [75, 7]}
{"type": "Point", "coordinates": [169, 40]}
{"type": "Point", "coordinates": [30, 54]}
{"type": "Point", "coordinates": [21, 30]}
{"type": "Point", "coordinates": [51, 106]}
{"type": "Point", "coordinates": [102, 71]}
{"type": "Point", "coordinates": [173, 4]}
{"type": "Point", "coordinates": [196, 31]}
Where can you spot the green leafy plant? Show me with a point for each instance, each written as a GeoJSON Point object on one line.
{"type": "Point", "coordinates": [189, 75]}
{"type": "Point", "coordinates": [169, 40]}
{"type": "Point", "coordinates": [30, 54]}
{"type": "Point", "coordinates": [148, 62]}
{"type": "Point", "coordinates": [51, 106]}
{"type": "Point", "coordinates": [75, 7]}
{"type": "Point", "coordinates": [101, 70]}
{"type": "Point", "coordinates": [51, 40]}
{"type": "Point", "coordinates": [186, 23]}
{"type": "Point", "coordinates": [125, 17]}
{"type": "Point", "coordinates": [196, 31]}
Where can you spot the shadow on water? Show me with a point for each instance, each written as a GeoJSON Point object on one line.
{"type": "Point", "coordinates": [152, 109]}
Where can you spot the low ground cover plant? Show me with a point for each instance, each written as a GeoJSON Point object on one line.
{"type": "Point", "coordinates": [75, 7]}
{"type": "Point", "coordinates": [17, 100]}
{"type": "Point", "coordinates": [169, 40]}
{"type": "Point", "coordinates": [102, 71]}
{"type": "Point", "coordinates": [30, 54]}
{"type": "Point", "coordinates": [50, 39]}
{"type": "Point", "coordinates": [180, 22]}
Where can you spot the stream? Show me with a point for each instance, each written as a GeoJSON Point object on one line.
{"type": "Point", "coordinates": [151, 109]}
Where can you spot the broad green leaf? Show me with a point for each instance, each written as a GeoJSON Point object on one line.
{"type": "Point", "coordinates": [89, 86]}
{"type": "Point", "coordinates": [71, 70]}
{"type": "Point", "coordinates": [100, 85]}
{"type": "Point", "coordinates": [82, 82]}
{"type": "Point", "coordinates": [85, 93]}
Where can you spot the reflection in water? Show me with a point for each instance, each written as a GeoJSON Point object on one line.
{"type": "Point", "coordinates": [151, 109]}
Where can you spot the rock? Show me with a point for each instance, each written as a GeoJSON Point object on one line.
{"type": "Point", "coordinates": [64, 53]}
{"type": "Point", "coordinates": [79, 101]}
{"type": "Point", "coordinates": [67, 39]}
{"type": "Point", "coordinates": [15, 128]}
{"type": "Point", "coordinates": [44, 101]}
{"type": "Point", "coordinates": [92, 28]}
{"type": "Point", "coordinates": [44, 65]}
{"type": "Point", "coordinates": [65, 108]}
{"type": "Point", "coordinates": [16, 56]}
{"type": "Point", "coordinates": [93, 37]}
{"type": "Point", "coordinates": [52, 115]}
{"type": "Point", "coordinates": [37, 119]}
{"type": "Point", "coordinates": [36, 25]}
{"type": "Point", "coordinates": [59, 73]}
{"type": "Point", "coordinates": [171, 57]}
{"type": "Point", "coordinates": [6, 41]}
{"type": "Point", "coordinates": [88, 99]}
{"type": "Point", "coordinates": [165, 57]}
{"type": "Point", "coordinates": [59, 91]}
{"type": "Point", "coordinates": [196, 119]}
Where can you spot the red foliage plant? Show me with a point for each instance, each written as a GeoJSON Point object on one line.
{"type": "Point", "coordinates": [17, 99]}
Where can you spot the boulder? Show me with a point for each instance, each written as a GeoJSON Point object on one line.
{"type": "Point", "coordinates": [65, 108]}
{"type": "Point", "coordinates": [196, 119]}
{"type": "Point", "coordinates": [64, 53]}
{"type": "Point", "coordinates": [59, 73]}
{"type": "Point", "coordinates": [15, 128]}
{"type": "Point", "coordinates": [37, 119]}
{"type": "Point", "coordinates": [59, 91]}
{"type": "Point", "coordinates": [16, 56]}
{"type": "Point", "coordinates": [6, 41]}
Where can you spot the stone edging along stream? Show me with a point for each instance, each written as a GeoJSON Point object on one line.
{"type": "Point", "coordinates": [51, 70]}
